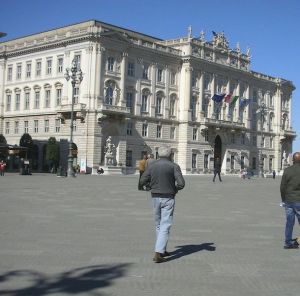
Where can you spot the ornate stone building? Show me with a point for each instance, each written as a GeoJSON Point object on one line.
{"type": "Point", "coordinates": [143, 92]}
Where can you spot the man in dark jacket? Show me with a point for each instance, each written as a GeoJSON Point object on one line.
{"type": "Point", "coordinates": [217, 169]}
{"type": "Point", "coordinates": [290, 195]}
{"type": "Point", "coordinates": [165, 179]}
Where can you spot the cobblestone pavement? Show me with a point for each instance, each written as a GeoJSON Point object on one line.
{"type": "Point", "coordinates": [94, 235]}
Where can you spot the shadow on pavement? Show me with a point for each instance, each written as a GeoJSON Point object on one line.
{"type": "Point", "coordinates": [80, 280]}
{"type": "Point", "coordinates": [190, 249]}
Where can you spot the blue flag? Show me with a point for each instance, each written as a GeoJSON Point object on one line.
{"type": "Point", "coordinates": [244, 102]}
{"type": "Point", "coordinates": [218, 98]}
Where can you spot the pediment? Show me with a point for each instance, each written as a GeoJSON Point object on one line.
{"type": "Point", "coordinates": [117, 36]}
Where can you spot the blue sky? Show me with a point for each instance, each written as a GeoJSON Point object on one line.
{"type": "Point", "coordinates": [269, 27]}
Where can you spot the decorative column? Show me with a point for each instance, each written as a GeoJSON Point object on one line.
{"type": "Point", "coordinates": [236, 114]}
{"type": "Point", "coordinates": [201, 94]}
{"type": "Point", "coordinates": [211, 113]}
{"type": "Point", "coordinates": [123, 76]}
{"type": "Point", "coordinates": [99, 73]}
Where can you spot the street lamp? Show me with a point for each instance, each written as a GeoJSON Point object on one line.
{"type": "Point", "coordinates": [75, 74]}
{"type": "Point", "coordinates": [262, 111]}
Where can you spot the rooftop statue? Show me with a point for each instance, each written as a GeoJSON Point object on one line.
{"type": "Point", "coordinates": [220, 40]}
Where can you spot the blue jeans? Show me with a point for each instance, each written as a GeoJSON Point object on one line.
{"type": "Point", "coordinates": [163, 214]}
{"type": "Point", "coordinates": [292, 210]}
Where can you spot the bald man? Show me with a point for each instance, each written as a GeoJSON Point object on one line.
{"type": "Point", "coordinates": [290, 195]}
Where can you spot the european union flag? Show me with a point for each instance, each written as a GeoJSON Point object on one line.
{"type": "Point", "coordinates": [218, 98]}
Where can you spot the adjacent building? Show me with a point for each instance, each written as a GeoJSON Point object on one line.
{"type": "Point", "coordinates": [140, 92]}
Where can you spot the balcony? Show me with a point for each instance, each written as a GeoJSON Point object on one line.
{"type": "Point", "coordinates": [217, 123]}
{"type": "Point", "coordinates": [64, 111]}
{"type": "Point", "coordinates": [113, 109]}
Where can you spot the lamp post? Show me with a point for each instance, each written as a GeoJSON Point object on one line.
{"type": "Point", "coordinates": [75, 75]}
{"type": "Point", "coordinates": [262, 111]}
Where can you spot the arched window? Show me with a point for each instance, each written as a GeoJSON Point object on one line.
{"type": "Point", "coordinates": [145, 99]}
{"type": "Point", "coordinates": [173, 105]}
{"type": "Point", "coordinates": [193, 107]}
{"type": "Point", "coordinates": [110, 63]}
{"type": "Point", "coordinates": [159, 103]}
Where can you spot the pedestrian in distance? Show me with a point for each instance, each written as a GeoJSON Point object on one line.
{"type": "Point", "coordinates": [164, 178]}
{"type": "Point", "coordinates": [217, 169]}
{"type": "Point", "coordinates": [273, 174]}
{"type": "Point", "coordinates": [290, 196]}
{"type": "Point", "coordinates": [142, 168]}
{"type": "Point", "coordinates": [2, 167]}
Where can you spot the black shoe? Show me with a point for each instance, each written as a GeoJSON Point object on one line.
{"type": "Point", "coordinates": [294, 246]}
{"type": "Point", "coordinates": [166, 254]}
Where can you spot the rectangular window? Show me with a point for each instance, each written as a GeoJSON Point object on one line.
{"type": "Point", "coordinates": [28, 70]}
{"type": "Point", "coordinates": [38, 68]}
{"type": "Point", "coordinates": [254, 140]}
{"type": "Point", "coordinates": [159, 75]}
{"type": "Point", "coordinates": [49, 67]}
{"type": "Point", "coordinates": [47, 98]}
{"type": "Point", "coordinates": [243, 137]}
{"type": "Point", "coordinates": [27, 101]}
{"type": "Point", "coordinates": [129, 128]}
{"type": "Point", "coordinates": [194, 160]}
{"type": "Point", "coordinates": [7, 126]}
{"type": "Point", "coordinates": [145, 72]}
{"type": "Point", "coordinates": [110, 63]}
{"type": "Point", "coordinates": [8, 102]}
{"type": "Point", "coordinates": [36, 126]}
{"type": "Point", "coordinates": [46, 126]}
{"type": "Point", "coordinates": [158, 131]}
{"type": "Point", "coordinates": [172, 107]}
{"type": "Point", "coordinates": [9, 73]}
{"type": "Point", "coordinates": [173, 78]}
{"type": "Point", "coordinates": [128, 158]}
{"type": "Point", "coordinates": [76, 95]}
{"type": "Point", "coordinates": [172, 132]}
{"type": "Point", "coordinates": [271, 142]}
{"type": "Point", "coordinates": [195, 133]}
{"type": "Point", "coordinates": [57, 125]}
{"type": "Point", "coordinates": [77, 59]}
{"type": "Point", "coordinates": [26, 128]}
{"type": "Point", "coordinates": [144, 130]}
{"type": "Point", "coordinates": [16, 127]}
{"type": "Point", "coordinates": [144, 103]}
{"type": "Point", "coordinates": [58, 97]}
{"type": "Point", "coordinates": [232, 140]}
{"type": "Point", "coordinates": [232, 162]}
{"type": "Point", "coordinates": [37, 100]}
{"type": "Point", "coordinates": [129, 101]}
{"type": "Point", "coordinates": [60, 65]}
{"type": "Point", "coordinates": [206, 135]}
{"type": "Point", "coordinates": [130, 69]}
{"type": "Point", "coordinates": [19, 71]}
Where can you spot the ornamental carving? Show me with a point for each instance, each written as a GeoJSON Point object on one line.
{"type": "Point", "coordinates": [219, 40]}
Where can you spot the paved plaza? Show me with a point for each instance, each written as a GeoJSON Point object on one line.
{"type": "Point", "coordinates": [94, 235]}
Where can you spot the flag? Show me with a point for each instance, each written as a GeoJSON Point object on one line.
{"type": "Point", "coordinates": [227, 98]}
{"type": "Point", "coordinates": [218, 98]}
{"type": "Point", "coordinates": [244, 102]}
{"type": "Point", "coordinates": [233, 101]}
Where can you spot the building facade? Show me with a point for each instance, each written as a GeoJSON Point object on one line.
{"type": "Point", "coordinates": [141, 92]}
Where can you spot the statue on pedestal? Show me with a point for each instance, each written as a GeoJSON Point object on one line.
{"type": "Point", "coordinates": [109, 152]}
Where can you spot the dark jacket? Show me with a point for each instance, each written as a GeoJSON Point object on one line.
{"type": "Point", "coordinates": [290, 184]}
{"type": "Point", "coordinates": [164, 178]}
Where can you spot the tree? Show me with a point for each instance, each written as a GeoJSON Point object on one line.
{"type": "Point", "coordinates": [52, 153]}
{"type": "Point", "coordinates": [2, 140]}
{"type": "Point", "coordinates": [26, 141]}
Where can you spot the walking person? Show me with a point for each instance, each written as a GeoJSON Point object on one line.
{"type": "Point", "coordinates": [150, 159]}
{"type": "Point", "coordinates": [2, 167]}
{"type": "Point", "coordinates": [217, 169]}
{"type": "Point", "coordinates": [290, 196]}
{"type": "Point", "coordinates": [165, 179]}
{"type": "Point", "coordinates": [142, 168]}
